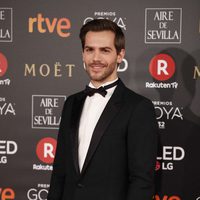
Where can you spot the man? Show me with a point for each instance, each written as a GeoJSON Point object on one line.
{"type": "Point", "coordinates": [107, 139]}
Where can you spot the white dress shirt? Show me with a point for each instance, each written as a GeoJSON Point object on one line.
{"type": "Point", "coordinates": [92, 110]}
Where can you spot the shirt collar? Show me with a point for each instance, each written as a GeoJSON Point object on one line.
{"type": "Point", "coordinates": [107, 83]}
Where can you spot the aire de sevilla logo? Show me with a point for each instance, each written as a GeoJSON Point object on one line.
{"type": "Point", "coordinates": [46, 149]}
{"type": "Point", "coordinates": [162, 67]}
{"type": "Point", "coordinates": [3, 64]}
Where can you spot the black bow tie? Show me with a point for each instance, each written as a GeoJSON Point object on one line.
{"type": "Point", "coordinates": [101, 90]}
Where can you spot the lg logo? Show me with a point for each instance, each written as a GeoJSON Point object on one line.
{"type": "Point", "coordinates": [7, 148]}
{"type": "Point", "coordinates": [46, 150]}
{"type": "Point", "coordinates": [162, 67]}
{"type": "Point", "coordinates": [169, 156]}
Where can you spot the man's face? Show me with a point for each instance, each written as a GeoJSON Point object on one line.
{"type": "Point", "coordinates": [100, 56]}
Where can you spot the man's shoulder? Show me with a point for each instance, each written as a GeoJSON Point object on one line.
{"type": "Point", "coordinates": [135, 101]}
{"type": "Point", "coordinates": [74, 95]}
{"type": "Point", "coordinates": [134, 97]}
{"type": "Point", "coordinates": [70, 98]}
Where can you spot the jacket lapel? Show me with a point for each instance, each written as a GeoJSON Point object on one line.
{"type": "Point", "coordinates": [109, 112]}
{"type": "Point", "coordinates": [76, 113]}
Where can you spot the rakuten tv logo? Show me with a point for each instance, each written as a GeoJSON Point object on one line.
{"type": "Point", "coordinates": [3, 64]}
{"type": "Point", "coordinates": [162, 67]}
{"type": "Point", "coordinates": [46, 150]}
{"type": "Point", "coordinates": [7, 194]}
{"type": "Point", "coordinates": [45, 25]}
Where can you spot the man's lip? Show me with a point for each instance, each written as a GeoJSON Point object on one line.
{"type": "Point", "coordinates": [97, 65]}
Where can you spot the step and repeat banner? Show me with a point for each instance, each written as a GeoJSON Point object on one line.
{"type": "Point", "coordinates": [41, 64]}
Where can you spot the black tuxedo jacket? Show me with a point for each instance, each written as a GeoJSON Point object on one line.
{"type": "Point", "coordinates": [121, 158]}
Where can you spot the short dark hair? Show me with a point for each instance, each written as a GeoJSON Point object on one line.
{"type": "Point", "coordinates": [98, 25]}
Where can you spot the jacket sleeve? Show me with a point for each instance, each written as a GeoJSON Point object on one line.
{"type": "Point", "coordinates": [58, 174]}
{"type": "Point", "coordinates": [142, 150]}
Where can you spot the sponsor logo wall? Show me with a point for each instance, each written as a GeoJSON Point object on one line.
{"type": "Point", "coordinates": [41, 64]}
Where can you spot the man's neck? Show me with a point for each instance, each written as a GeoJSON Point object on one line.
{"type": "Point", "coordinates": [97, 84]}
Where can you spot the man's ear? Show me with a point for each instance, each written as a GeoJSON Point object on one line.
{"type": "Point", "coordinates": [120, 56]}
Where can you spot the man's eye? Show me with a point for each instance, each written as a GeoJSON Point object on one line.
{"type": "Point", "coordinates": [106, 50]}
{"type": "Point", "coordinates": [88, 50]}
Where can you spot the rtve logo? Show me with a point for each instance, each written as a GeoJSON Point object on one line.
{"type": "Point", "coordinates": [45, 25]}
{"type": "Point", "coordinates": [166, 197]}
{"type": "Point", "coordinates": [3, 64]}
{"type": "Point", "coordinates": [45, 150]}
{"type": "Point", "coordinates": [7, 194]}
{"type": "Point", "coordinates": [162, 67]}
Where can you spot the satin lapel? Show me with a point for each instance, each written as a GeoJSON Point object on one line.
{"type": "Point", "coordinates": [76, 113]}
{"type": "Point", "coordinates": [109, 112]}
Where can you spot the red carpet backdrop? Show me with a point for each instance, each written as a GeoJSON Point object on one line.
{"type": "Point", "coordinates": [41, 64]}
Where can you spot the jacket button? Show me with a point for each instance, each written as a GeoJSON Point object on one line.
{"type": "Point", "coordinates": [80, 185]}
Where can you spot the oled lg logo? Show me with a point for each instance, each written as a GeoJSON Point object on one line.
{"type": "Point", "coordinates": [43, 25]}
{"type": "Point", "coordinates": [7, 148]}
{"type": "Point", "coordinates": [45, 151]}
{"type": "Point", "coordinates": [162, 68]}
{"type": "Point", "coordinates": [170, 154]}
{"type": "Point", "coordinates": [7, 194]}
{"type": "Point", "coordinates": [3, 69]}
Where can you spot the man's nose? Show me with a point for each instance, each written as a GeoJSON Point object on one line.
{"type": "Point", "coordinates": [96, 56]}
